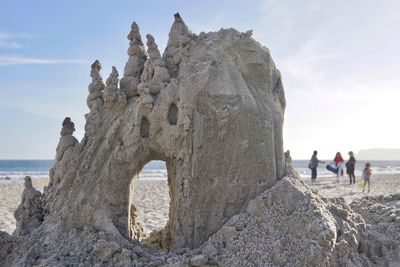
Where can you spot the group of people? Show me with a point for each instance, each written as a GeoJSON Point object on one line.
{"type": "Point", "coordinates": [337, 166]}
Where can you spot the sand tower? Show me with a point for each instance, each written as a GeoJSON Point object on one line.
{"type": "Point", "coordinates": [211, 107]}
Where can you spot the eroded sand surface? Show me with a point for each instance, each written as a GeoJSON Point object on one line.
{"type": "Point", "coordinates": [152, 198]}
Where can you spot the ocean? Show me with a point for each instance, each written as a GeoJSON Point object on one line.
{"type": "Point", "coordinates": [18, 169]}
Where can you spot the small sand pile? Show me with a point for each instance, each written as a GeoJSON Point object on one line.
{"type": "Point", "coordinates": [382, 214]}
{"type": "Point", "coordinates": [10, 198]}
{"type": "Point", "coordinates": [290, 225]}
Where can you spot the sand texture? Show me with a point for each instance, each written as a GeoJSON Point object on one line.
{"type": "Point", "coordinates": [10, 198]}
{"type": "Point", "coordinates": [333, 233]}
{"type": "Point", "coordinates": [152, 203]}
{"type": "Point", "coordinates": [151, 200]}
{"type": "Point", "coordinates": [380, 185]}
{"type": "Point", "coordinates": [152, 197]}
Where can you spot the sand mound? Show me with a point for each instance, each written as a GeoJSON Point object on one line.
{"type": "Point", "coordinates": [290, 225]}
{"type": "Point", "coordinates": [381, 243]}
{"type": "Point", "coordinates": [287, 225]}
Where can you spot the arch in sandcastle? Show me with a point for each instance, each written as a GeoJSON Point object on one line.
{"type": "Point", "coordinates": [211, 107]}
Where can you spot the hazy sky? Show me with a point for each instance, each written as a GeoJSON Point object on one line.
{"type": "Point", "coordinates": [340, 62]}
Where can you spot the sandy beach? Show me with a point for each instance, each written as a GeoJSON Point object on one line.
{"type": "Point", "coordinates": [152, 198]}
{"type": "Point", "coordinates": [152, 204]}
{"type": "Point", "coordinates": [380, 185]}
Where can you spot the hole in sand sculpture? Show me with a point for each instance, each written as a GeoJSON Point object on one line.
{"type": "Point", "coordinates": [150, 197]}
{"type": "Point", "coordinates": [144, 127]}
{"type": "Point", "coordinates": [173, 114]}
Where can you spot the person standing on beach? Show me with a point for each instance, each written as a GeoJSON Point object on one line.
{"type": "Point", "coordinates": [339, 161]}
{"type": "Point", "coordinates": [313, 165]}
{"type": "Point", "coordinates": [367, 176]}
{"type": "Point", "coordinates": [350, 166]}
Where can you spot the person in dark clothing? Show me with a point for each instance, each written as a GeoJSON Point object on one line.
{"type": "Point", "coordinates": [350, 166]}
{"type": "Point", "coordinates": [313, 165]}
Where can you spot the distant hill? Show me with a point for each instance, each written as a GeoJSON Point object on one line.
{"type": "Point", "coordinates": [378, 154]}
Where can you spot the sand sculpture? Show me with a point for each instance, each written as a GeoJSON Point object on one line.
{"type": "Point", "coordinates": [195, 121]}
{"type": "Point", "coordinates": [212, 107]}
{"type": "Point", "coordinates": [29, 213]}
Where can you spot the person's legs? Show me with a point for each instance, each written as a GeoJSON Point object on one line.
{"type": "Point", "coordinates": [313, 174]}
{"type": "Point", "coordinates": [350, 176]}
{"type": "Point", "coordinates": [354, 177]}
{"type": "Point", "coordinates": [339, 171]}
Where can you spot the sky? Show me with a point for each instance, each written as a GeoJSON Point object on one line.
{"type": "Point", "coordinates": [340, 63]}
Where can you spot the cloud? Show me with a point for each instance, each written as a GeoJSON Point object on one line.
{"type": "Point", "coordinates": [11, 40]}
{"type": "Point", "coordinates": [10, 44]}
{"type": "Point", "coordinates": [306, 63]}
{"type": "Point", "coordinates": [6, 60]}
{"type": "Point", "coordinates": [6, 41]}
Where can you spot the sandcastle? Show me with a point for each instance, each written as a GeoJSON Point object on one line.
{"type": "Point", "coordinates": [191, 108]}
{"type": "Point", "coordinates": [211, 107]}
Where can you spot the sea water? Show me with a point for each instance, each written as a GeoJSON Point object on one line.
{"type": "Point", "coordinates": [18, 169]}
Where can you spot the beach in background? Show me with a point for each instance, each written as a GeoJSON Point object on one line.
{"type": "Point", "coordinates": [152, 194]}
{"type": "Point", "coordinates": [18, 169]}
